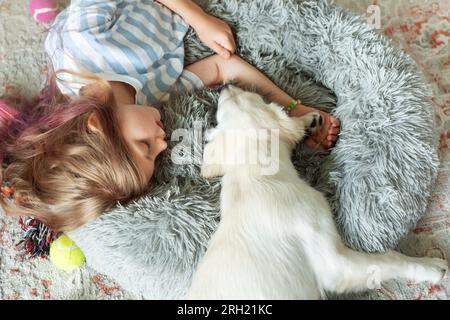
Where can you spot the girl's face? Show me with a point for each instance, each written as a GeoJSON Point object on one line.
{"type": "Point", "coordinates": [142, 129]}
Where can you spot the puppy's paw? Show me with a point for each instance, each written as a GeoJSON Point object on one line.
{"type": "Point", "coordinates": [430, 269]}
{"type": "Point", "coordinates": [313, 122]}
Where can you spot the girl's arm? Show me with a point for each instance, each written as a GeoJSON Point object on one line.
{"type": "Point", "coordinates": [187, 9]}
{"type": "Point", "coordinates": [213, 32]}
{"type": "Point", "coordinates": [215, 70]}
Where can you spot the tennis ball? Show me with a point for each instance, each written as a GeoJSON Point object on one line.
{"type": "Point", "coordinates": [65, 254]}
{"type": "Point", "coordinates": [44, 11]}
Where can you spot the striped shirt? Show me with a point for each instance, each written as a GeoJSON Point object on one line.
{"type": "Point", "coordinates": [139, 42]}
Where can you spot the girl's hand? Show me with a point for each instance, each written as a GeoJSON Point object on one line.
{"type": "Point", "coordinates": [216, 34]}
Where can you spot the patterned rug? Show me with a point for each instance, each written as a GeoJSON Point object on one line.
{"type": "Point", "coordinates": [421, 28]}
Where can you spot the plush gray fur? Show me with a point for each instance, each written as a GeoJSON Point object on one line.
{"type": "Point", "coordinates": [378, 178]}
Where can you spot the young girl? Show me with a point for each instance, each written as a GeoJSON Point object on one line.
{"type": "Point", "coordinates": [91, 138]}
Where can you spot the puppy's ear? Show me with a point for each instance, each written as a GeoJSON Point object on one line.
{"type": "Point", "coordinates": [214, 158]}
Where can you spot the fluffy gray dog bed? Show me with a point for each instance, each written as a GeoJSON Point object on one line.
{"type": "Point", "coordinates": [378, 177]}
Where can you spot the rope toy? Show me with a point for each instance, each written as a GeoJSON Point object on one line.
{"type": "Point", "coordinates": [40, 241]}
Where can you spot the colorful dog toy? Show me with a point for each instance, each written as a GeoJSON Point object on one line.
{"type": "Point", "coordinates": [38, 239]}
{"type": "Point", "coordinates": [44, 11]}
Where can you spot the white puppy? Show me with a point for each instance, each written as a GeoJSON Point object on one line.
{"type": "Point", "coordinates": [277, 238]}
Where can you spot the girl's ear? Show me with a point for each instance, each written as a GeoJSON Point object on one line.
{"type": "Point", "coordinates": [93, 123]}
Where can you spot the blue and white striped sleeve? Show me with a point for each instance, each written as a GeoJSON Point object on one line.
{"type": "Point", "coordinates": [72, 44]}
{"type": "Point", "coordinates": [140, 43]}
{"type": "Point", "coordinates": [90, 15]}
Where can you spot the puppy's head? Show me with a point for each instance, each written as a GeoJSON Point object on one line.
{"type": "Point", "coordinates": [246, 126]}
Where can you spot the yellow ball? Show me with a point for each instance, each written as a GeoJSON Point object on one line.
{"type": "Point", "coordinates": [65, 254]}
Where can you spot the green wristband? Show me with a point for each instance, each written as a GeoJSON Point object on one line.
{"type": "Point", "coordinates": [292, 105]}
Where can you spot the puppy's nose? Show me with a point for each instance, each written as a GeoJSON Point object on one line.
{"type": "Point", "coordinates": [225, 90]}
{"type": "Point", "coordinates": [229, 90]}
{"type": "Point", "coordinates": [226, 86]}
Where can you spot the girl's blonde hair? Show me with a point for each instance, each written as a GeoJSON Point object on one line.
{"type": "Point", "coordinates": [65, 174]}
